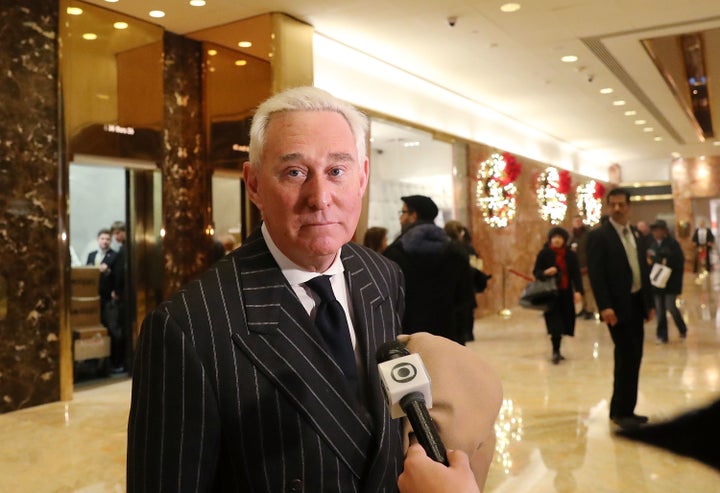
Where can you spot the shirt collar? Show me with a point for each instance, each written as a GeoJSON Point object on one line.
{"type": "Point", "coordinates": [293, 272]}
{"type": "Point", "coordinates": [619, 227]}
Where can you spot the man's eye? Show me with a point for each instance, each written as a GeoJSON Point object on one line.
{"type": "Point", "coordinates": [336, 172]}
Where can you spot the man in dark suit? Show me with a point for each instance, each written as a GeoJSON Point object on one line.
{"type": "Point", "coordinates": [619, 278]}
{"type": "Point", "coordinates": [104, 258]}
{"type": "Point", "coordinates": [236, 387]}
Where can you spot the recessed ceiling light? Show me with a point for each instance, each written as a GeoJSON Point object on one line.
{"type": "Point", "coordinates": [111, 1]}
{"type": "Point", "coordinates": [630, 113]}
{"type": "Point", "coordinates": [619, 102]}
{"type": "Point", "coordinates": [606, 90]}
{"type": "Point", "coordinates": [120, 25]}
{"type": "Point", "coordinates": [157, 14]}
{"type": "Point", "coordinates": [640, 122]}
{"type": "Point", "coordinates": [240, 63]}
{"type": "Point", "coordinates": [657, 139]}
{"type": "Point", "coordinates": [212, 52]}
{"type": "Point", "coordinates": [89, 36]}
{"type": "Point", "coordinates": [675, 154]}
{"type": "Point", "coordinates": [244, 44]}
{"type": "Point", "coordinates": [648, 129]}
{"type": "Point", "coordinates": [197, 3]}
{"type": "Point", "coordinates": [510, 7]}
{"type": "Point", "coordinates": [569, 58]}
{"type": "Point", "coordinates": [716, 143]}
{"type": "Point", "coordinates": [74, 10]}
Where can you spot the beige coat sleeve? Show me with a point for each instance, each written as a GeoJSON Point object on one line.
{"type": "Point", "coordinates": [466, 394]}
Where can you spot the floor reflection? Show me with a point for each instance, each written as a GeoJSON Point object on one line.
{"type": "Point", "coordinates": [553, 431]}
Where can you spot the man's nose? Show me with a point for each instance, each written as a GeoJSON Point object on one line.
{"type": "Point", "coordinates": [318, 192]}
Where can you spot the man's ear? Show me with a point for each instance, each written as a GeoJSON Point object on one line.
{"type": "Point", "coordinates": [251, 183]}
{"type": "Point", "coordinates": [364, 174]}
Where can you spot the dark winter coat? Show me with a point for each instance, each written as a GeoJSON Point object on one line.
{"type": "Point", "coordinates": [560, 317]}
{"type": "Point", "coordinates": [437, 280]}
{"type": "Point", "coordinates": [670, 253]}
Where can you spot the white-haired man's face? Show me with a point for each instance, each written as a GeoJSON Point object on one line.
{"type": "Point", "coordinates": [309, 186]}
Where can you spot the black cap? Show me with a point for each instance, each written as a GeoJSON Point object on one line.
{"type": "Point", "coordinates": [424, 206]}
{"type": "Point", "coordinates": [659, 224]}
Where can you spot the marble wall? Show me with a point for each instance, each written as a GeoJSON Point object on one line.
{"type": "Point", "coordinates": [186, 174]}
{"type": "Point", "coordinates": [692, 179]}
{"type": "Point", "coordinates": [30, 254]}
{"type": "Point", "coordinates": [515, 247]}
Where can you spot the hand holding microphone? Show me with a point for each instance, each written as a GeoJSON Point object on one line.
{"type": "Point", "coordinates": [407, 390]}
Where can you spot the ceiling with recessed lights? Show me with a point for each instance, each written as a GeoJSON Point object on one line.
{"type": "Point", "coordinates": [605, 76]}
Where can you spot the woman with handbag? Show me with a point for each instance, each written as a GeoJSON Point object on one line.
{"type": "Point", "coordinates": [665, 250]}
{"type": "Point", "coordinates": [557, 260]}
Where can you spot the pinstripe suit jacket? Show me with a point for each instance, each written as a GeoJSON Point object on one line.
{"type": "Point", "coordinates": [233, 389]}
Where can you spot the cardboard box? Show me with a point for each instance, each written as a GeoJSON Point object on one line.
{"type": "Point", "coordinates": [84, 312]}
{"type": "Point", "coordinates": [84, 281]}
{"type": "Point", "coordinates": [94, 347]}
{"type": "Point", "coordinates": [89, 332]}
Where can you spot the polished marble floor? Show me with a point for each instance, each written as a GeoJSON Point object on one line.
{"type": "Point", "coordinates": [554, 434]}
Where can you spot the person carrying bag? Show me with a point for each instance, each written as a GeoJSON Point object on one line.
{"type": "Point", "coordinates": [557, 264]}
{"type": "Point", "coordinates": [666, 276]}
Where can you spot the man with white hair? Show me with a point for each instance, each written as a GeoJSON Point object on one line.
{"type": "Point", "coordinates": [261, 375]}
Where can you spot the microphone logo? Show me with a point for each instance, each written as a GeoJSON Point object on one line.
{"type": "Point", "coordinates": [403, 372]}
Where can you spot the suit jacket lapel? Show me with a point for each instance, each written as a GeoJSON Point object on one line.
{"type": "Point", "coordinates": [284, 344]}
{"type": "Point", "coordinates": [372, 321]}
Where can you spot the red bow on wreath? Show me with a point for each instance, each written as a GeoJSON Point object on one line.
{"type": "Point", "coordinates": [564, 181]}
{"type": "Point", "coordinates": [512, 169]}
{"type": "Point", "coordinates": [599, 191]}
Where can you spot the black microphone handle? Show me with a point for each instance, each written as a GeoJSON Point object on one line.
{"type": "Point", "coordinates": [423, 426]}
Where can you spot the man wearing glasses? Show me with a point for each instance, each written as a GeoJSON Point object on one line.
{"type": "Point", "coordinates": [436, 270]}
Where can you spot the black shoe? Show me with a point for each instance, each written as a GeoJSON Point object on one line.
{"type": "Point", "coordinates": [629, 422]}
{"type": "Point", "coordinates": [626, 422]}
{"type": "Point", "coordinates": [556, 358]}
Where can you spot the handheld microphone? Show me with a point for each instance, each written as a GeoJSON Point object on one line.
{"type": "Point", "coordinates": [406, 385]}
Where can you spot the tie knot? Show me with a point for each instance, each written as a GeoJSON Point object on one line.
{"type": "Point", "coordinates": [626, 231]}
{"type": "Point", "coordinates": [321, 286]}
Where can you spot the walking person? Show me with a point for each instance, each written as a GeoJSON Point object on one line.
{"type": "Point", "coordinates": [667, 251]}
{"type": "Point", "coordinates": [556, 259]}
{"type": "Point", "coordinates": [621, 284]}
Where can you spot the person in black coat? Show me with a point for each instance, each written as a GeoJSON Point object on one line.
{"type": "Point", "coordinates": [436, 271]}
{"type": "Point", "coordinates": [105, 258]}
{"type": "Point", "coordinates": [665, 250]}
{"type": "Point", "coordinates": [556, 259]}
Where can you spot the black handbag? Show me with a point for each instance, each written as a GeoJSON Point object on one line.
{"type": "Point", "coordinates": [539, 294]}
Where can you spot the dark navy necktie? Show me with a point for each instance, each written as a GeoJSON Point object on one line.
{"type": "Point", "coordinates": [332, 323]}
